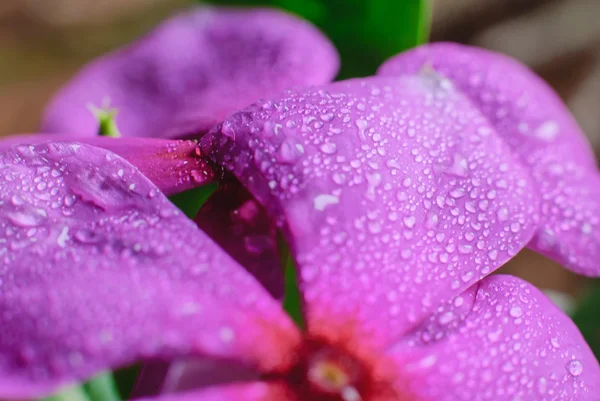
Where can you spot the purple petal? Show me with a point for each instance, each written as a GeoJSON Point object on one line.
{"type": "Point", "coordinates": [173, 166]}
{"type": "Point", "coordinates": [535, 123]}
{"type": "Point", "coordinates": [385, 189]}
{"type": "Point", "coordinates": [193, 71]}
{"type": "Point", "coordinates": [100, 270]}
{"type": "Point", "coordinates": [502, 341]}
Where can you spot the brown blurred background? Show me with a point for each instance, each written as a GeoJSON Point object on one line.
{"type": "Point", "coordinates": [43, 42]}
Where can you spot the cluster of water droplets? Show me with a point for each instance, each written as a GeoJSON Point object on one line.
{"type": "Point", "coordinates": [570, 210]}
{"type": "Point", "coordinates": [533, 121]}
{"type": "Point", "coordinates": [396, 193]}
{"type": "Point", "coordinates": [554, 148]}
{"type": "Point", "coordinates": [509, 342]}
{"type": "Point", "coordinates": [98, 268]}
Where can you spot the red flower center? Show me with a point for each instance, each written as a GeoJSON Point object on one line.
{"type": "Point", "coordinates": [323, 371]}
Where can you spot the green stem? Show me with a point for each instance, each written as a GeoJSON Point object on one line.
{"type": "Point", "coordinates": [103, 388]}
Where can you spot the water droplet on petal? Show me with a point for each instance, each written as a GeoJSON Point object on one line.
{"type": "Point", "coordinates": [328, 148]}
{"type": "Point", "coordinates": [575, 367]}
{"type": "Point", "coordinates": [362, 126]}
{"type": "Point", "coordinates": [516, 311]}
{"type": "Point", "coordinates": [322, 201]}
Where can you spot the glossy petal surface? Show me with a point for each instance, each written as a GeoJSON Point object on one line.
{"type": "Point", "coordinates": [193, 71]}
{"type": "Point", "coordinates": [386, 188]}
{"type": "Point", "coordinates": [99, 270]}
{"type": "Point", "coordinates": [172, 165]}
{"type": "Point", "coordinates": [502, 341]}
{"type": "Point", "coordinates": [535, 123]}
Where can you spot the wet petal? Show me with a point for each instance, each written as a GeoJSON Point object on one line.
{"type": "Point", "coordinates": [241, 227]}
{"type": "Point", "coordinates": [535, 123]}
{"type": "Point", "coordinates": [172, 165]}
{"type": "Point", "coordinates": [512, 344]}
{"type": "Point", "coordinates": [385, 189]}
{"type": "Point", "coordinates": [193, 71]}
{"type": "Point", "coordinates": [99, 270]}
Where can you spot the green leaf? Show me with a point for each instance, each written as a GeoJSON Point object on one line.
{"type": "Point", "coordinates": [292, 300]}
{"type": "Point", "coordinates": [365, 32]}
{"type": "Point", "coordinates": [189, 202]}
{"type": "Point", "coordinates": [72, 393]}
{"type": "Point", "coordinates": [125, 379]}
{"type": "Point", "coordinates": [102, 388]}
{"type": "Point", "coordinates": [587, 318]}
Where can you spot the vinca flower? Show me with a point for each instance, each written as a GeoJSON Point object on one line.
{"type": "Point", "coordinates": [398, 196]}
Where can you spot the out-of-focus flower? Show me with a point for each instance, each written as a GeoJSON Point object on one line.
{"type": "Point", "coordinates": [193, 71]}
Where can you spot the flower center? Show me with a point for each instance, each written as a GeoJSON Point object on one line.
{"type": "Point", "coordinates": [334, 364]}
{"type": "Point", "coordinates": [331, 373]}
{"type": "Point", "coordinates": [324, 372]}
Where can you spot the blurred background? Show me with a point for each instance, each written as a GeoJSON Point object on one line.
{"type": "Point", "coordinates": [44, 42]}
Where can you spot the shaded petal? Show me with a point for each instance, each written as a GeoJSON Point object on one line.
{"type": "Point", "coordinates": [241, 227]}
{"type": "Point", "coordinates": [151, 379]}
{"type": "Point", "coordinates": [386, 188]}
{"type": "Point", "coordinates": [189, 375]}
{"type": "Point", "coordinates": [512, 344]}
{"type": "Point", "coordinates": [173, 166]}
{"type": "Point", "coordinates": [193, 71]}
{"type": "Point", "coordinates": [99, 270]}
{"type": "Point", "coordinates": [534, 122]}
{"type": "Point", "coordinates": [252, 391]}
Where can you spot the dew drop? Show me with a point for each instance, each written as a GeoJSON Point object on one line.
{"type": "Point", "coordinates": [328, 148]}
{"type": "Point", "coordinates": [362, 126]}
{"type": "Point", "coordinates": [17, 200]}
{"type": "Point", "coordinates": [516, 311]}
{"type": "Point", "coordinates": [586, 228]}
{"type": "Point", "coordinates": [409, 221]}
{"type": "Point", "coordinates": [575, 367]}
{"type": "Point", "coordinates": [226, 334]}
{"type": "Point", "coordinates": [502, 214]}
{"type": "Point", "coordinates": [542, 385]}
{"type": "Point", "coordinates": [63, 237]}
{"type": "Point", "coordinates": [548, 130]}
{"type": "Point", "coordinates": [322, 201]}
{"type": "Point", "coordinates": [30, 218]}
{"type": "Point", "coordinates": [327, 117]}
